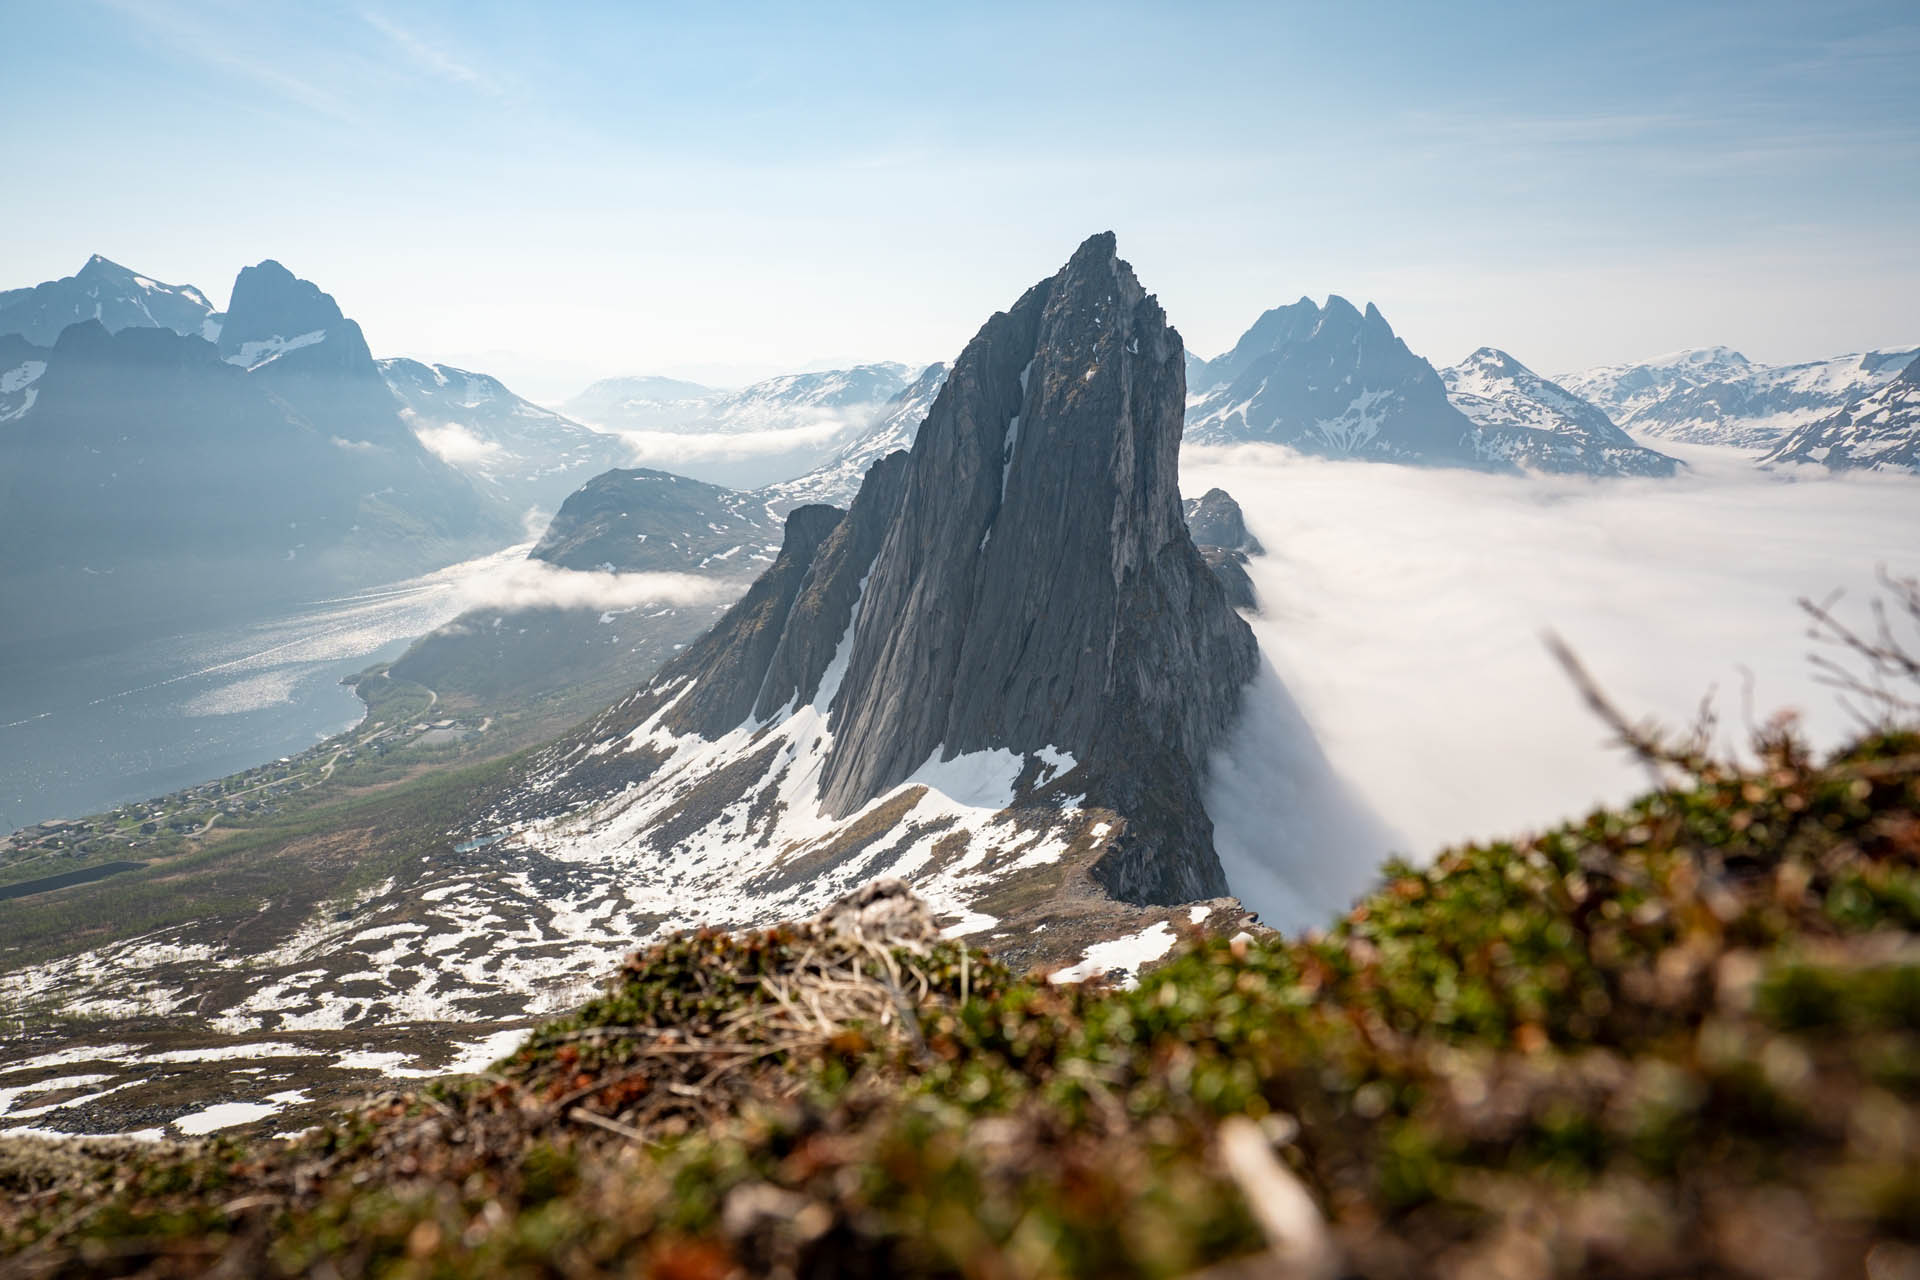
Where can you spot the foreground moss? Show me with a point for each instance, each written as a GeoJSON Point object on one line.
{"type": "Point", "coordinates": [1678, 1038]}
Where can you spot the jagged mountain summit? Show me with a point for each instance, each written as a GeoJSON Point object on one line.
{"type": "Point", "coordinates": [999, 673]}
{"type": "Point", "coordinates": [836, 481]}
{"type": "Point", "coordinates": [1539, 425]}
{"type": "Point", "coordinates": [1332, 381]}
{"type": "Point", "coordinates": [117, 297]}
{"type": "Point", "coordinates": [1878, 431]}
{"type": "Point", "coordinates": [512, 449]}
{"type": "Point", "coordinates": [1715, 395]}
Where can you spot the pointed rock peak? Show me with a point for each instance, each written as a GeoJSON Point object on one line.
{"type": "Point", "coordinates": [101, 266]}
{"type": "Point", "coordinates": [1339, 314]}
{"type": "Point", "coordinates": [1495, 360]}
{"type": "Point", "coordinates": [1101, 247]}
{"type": "Point", "coordinates": [271, 304]}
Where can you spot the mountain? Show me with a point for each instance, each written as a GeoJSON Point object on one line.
{"type": "Point", "coordinates": [292, 339]}
{"type": "Point", "coordinates": [582, 654]}
{"type": "Point", "coordinates": [144, 443]}
{"type": "Point", "coordinates": [766, 433]}
{"type": "Point", "coordinates": [1001, 670]}
{"type": "Point", "coordinates": [1878, 431]}
{"type": "Point", "coordinates": [21, 365]}
{"type": "Point", "coordinates": [1331, 381]}
{"type": "Point", "coordinates": [796, 398]}
{"type": "Point", "coordinates": [1715, 395]}
{"type": "Point", "coordinates": [148, 474]}
{"type": "Point", "coordinates": [836, 481]}
{"type": "Point", "coordinates": [512, 450]}
{"type": "Point", "coordinates": [640, 403]}
{"type": "Point", "coordinates": [107, 292]}
{"type": "Point", "coordinates": [790, 400]}
{"type": "Point", "coordinates": [1539, 425]}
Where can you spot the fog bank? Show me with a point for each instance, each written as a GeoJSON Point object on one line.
{"type": "Point", "coordinates": [1404, 609]}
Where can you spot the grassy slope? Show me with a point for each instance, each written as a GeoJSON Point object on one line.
{"type": "Point", "coordinates": [1679, 1038]}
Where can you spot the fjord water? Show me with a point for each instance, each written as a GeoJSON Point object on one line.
{"type": "Point", "coordinates": [85, 728]}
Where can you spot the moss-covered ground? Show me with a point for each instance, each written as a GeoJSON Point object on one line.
{"type": "Point", "coordinates": [1678, 1038]}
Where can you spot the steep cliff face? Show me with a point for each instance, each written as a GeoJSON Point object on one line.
{"type": "Point", "coordinates": [1038, 588]}
{"type": "Point", "coordinates": [1006, 661]}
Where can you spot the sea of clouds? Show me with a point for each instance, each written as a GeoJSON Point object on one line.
{"type": "Point", "coordinates": [1410, 701]}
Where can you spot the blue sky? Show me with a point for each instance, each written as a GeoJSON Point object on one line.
{"type": "Point", "coordinates": [555, 193]}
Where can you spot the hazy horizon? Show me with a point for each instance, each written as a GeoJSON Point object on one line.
{"type": "Point", "coordinates": [734, 195]}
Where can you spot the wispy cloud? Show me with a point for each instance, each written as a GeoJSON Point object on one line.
{"type": "Point", "coordinates": [429, 57]}
{"type": "Point", "coordinates": [218, 45]}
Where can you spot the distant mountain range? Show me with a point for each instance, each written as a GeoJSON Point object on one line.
{"type": "Point", "coordinates": [1877, 431]}
{"type": "Point", "coordinates": [1715, 395]}
{"type": "Point", "coordinates": [1335, 381]}
{"type": "Point", "coordinates": [1540, 426]}
{"type": "Point", "coordinates": [766, 433]}
{"type": "Point", "coordinates": [160, 456]}
{"type": "Point", "coordinates": [790, 400]}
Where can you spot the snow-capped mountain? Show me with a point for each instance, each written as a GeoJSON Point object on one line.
{"type": "Point", "coordinates": [836, 481]}
{"type": "Point", "coordinates": [773, 404]}
{"type": "Point", "coordinates": [1539, 425]}
{"type": "Point", "coordinates": [766, 433]}
{"type": "Point", "coordinates": [514, 450]}
{"type": "Point", "coordinates": [1879, 431]}
{"type": "Point", "coordinates": [1715, 395]}
{"type": "Point", "coordinates": [1331, 381]}
{"type": "Point", "coordinates": [640, 403]}
{"type": "Point", "coordinates": [795, 398]}
{"type": "Point", "coordinates": [117, 297]}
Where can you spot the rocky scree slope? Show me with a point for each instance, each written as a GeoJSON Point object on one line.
{"type": "Point", "coordinates": [1003, 666]}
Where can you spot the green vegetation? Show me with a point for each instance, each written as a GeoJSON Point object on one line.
{"type": "Point", "coordinates": [1676, 1038]}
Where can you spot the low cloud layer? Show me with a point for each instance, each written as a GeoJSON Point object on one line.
{"type": "Point", "coordinates": [747, 459]}
{"type": "Point", "coordinates": [535, 584]}
{"type": "Point", "coordinates": [455, 444]}
{"type": "Point", "coordinates": [1404, 614]}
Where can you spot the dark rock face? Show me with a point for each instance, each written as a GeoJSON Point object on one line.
{"type": "Point", "coordinates": [1337, 382]}
{"type": "Point", "coordinates": [269, 302]}
{"type": "Point", "coordinates": [728, 665]}
{"type": "Point", "coordinates": [107, 292]}
{"type": "Point", "coordinates": [1215, 520]}
{"type": "Point", "coordinates": [1879, 431]}
{"type": "Point", "coordinates": [1022, 581]}
{"type": "Point", "coordinates": [1230, 567]}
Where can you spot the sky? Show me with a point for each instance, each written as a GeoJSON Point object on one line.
{"type": "Point", "coordinates": [563, 192]}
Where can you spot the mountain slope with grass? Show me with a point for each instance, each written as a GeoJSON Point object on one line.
{"type": "Point", "coordinates": [1677, 1038]}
